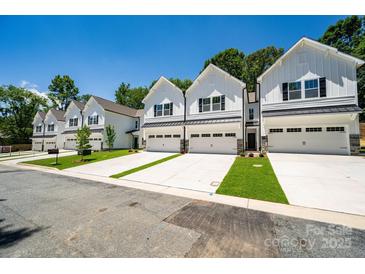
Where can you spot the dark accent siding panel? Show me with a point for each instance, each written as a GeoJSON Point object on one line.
{"type": "Point", "coordinates": [322, 87]}
{"type": "Point", "coordinates": [200, 104]}
{"type": "Point", "coordinates": [171, 108]}
{"type": "Point", "coordinates": [155, 110]}
{"type": "Point", "coordinates": [223, 102]}
{"type": "Point", "coordinates": [285, 92]}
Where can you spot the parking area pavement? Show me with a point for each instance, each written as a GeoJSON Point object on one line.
{"type": "Point", "coordinates": [327, 182]}
{"type": "Point", "coordinates": [116, 165]}
{"type": "Point", "coordinates": [49, 215]}
{"type": "Point", "coordinates": [201, 172]}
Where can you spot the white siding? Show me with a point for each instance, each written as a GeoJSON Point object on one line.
{"type": "Point", "coordinates": [164, 93]}
{"type": "Point", "coordinates": [93, 108]}
{"type": "Point", "coordinates": [305, 63]}
{"type": "Point", "coordinates": [72, 112]}
{"type": "Point", "coordinates": [214, 83]}
{"type": "Point", "coordinates": [121, 124]}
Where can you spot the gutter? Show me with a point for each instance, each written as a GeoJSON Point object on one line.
{"type": "Point", "coordinates": [243, 120]}
{"type": "Point", "coordinates": [184, 127]}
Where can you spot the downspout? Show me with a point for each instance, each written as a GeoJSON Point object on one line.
{"type": "Point", "coordinates": [184, 129]}
{"type": "Point", "coordinates": [82, 118]}
{"type": "Point", "coordinates": [44, 134]}
{"type": "Point", "coordinates": [259, 94]}
{"type": "Point", "coordinates": [243, 120]}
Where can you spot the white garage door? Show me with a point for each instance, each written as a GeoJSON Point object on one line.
{"type": "Point", "coordinates": [167, 142]}
{"type": "Point", "coordinates": [70, 143]}
{"type": "Point", "coordinates": [322, 140]}
{"type": "Point", "coordinates": [37, 144]}
{"type": "Point", "coordinates": [225, 143]}
{"type": "Point", "coordinates": [49, 144]}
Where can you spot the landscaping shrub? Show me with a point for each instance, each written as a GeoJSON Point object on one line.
{"type": "Point", "coordinates": [250, 155]}
{"type": "Point", "coordinates": [262, 155]}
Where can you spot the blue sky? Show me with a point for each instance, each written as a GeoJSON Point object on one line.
{"type": "Point", "coordinates": [100, 52]}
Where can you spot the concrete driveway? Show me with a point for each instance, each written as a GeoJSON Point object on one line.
{"type": "Point", "coordinates": [202, 172]}
{"type": "Point", "coordinates": [327, 182]}
{"type": "Point", "coordinates": [113, 166]}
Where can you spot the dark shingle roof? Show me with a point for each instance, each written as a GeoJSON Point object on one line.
{"type": "Point", "coordinates": [59, 114]}
{"type": "Point", "coordinates": [116, 108]}
{"type": "Point", "coordinates": [42, 114]}
{"type": "Point", "coordinates": [195, 122]}
{"type": "Point", "coordinates": [79, 104]}
{"type": "Point", "coordinates": [313, 110]}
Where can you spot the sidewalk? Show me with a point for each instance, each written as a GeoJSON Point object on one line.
{"type": "Point", "coordinates": [350, 220]}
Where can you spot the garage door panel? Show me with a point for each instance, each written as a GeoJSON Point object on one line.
{"type": "Point", "coordinates": [224, 145]}
{"type": "Point", "coordinates": [309, 142]}
{"type": "Point", "coordinates": [163, 144]}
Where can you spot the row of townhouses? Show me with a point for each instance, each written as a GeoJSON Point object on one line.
{"type": "Point", "coordinates": [306, 102]}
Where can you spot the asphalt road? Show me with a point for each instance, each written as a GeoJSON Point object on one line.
{"type": "Point", "coordinates": [44, 215]}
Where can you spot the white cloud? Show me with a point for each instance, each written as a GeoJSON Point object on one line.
{"type": "Point", "coordinates": [33, 88]}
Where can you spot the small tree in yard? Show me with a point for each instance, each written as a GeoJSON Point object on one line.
{"type": "Point", "coordinates": [82, 139]}
{"type": "Point", "coordinates": [110, 136]}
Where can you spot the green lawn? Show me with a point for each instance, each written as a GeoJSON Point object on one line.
{"type": "Point", "coordinates": [74, 160]}
{"type": "Point", "coordinates": [245, 180]}
{"type": "Point", "coordinates": [136, 169]}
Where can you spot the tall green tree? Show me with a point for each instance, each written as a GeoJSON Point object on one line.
{"type": "Point", "coordinates": [230, 60]}
{"type": "Point", "coordinates": [110, 136]}
{"type": "Point", "coordinates": [131, 97]}
{"type": "Point", "coordinates": [18, 107]}
{"type": "Point", "coordinates": [182, 84]}
{"type": "Point", "coordinates": [62, 91]}
{"type": "Point", "coordinates": [257, 62]}
{"type": "Point", "coordinates": [84, 98]}
{"type": "Point", "coordinates": [348, 35]}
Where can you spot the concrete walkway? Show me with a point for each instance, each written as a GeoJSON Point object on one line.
{"type": "Point", "coordinates": [329, 182]}
{"type": "Point", "coordinates": [116, 165]}
{"type": "Point", "coordinates": [200, 172]}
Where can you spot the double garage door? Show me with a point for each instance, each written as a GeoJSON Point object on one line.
{"type": "Point", "coordinates": [163, 142]}
{"type": "Point", "coordinates": [320, 140]}
{"type": "Point", "coordinates": [224, 142]}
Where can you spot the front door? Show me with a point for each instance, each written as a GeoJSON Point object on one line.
{"type": "Point", "coordinates": [251, 141]}
{"type": "Point", "coordinates": [135, 142]}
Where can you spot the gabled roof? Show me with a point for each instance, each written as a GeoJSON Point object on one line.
{"type": "Point", "coordinates": [58, 114]}
{"type": "Point", "coordinates": [317, 45]}
{"type": "Point", "coordinates": [114, 107]}
{"type": "Point", "coordinates": [157, 84]}
{"type": "Point", "coordinates": [208, 69]}
{"type": "Point", "coordinates": [42, 114]}
{"type": "Point", "coordinates": [79, 104]}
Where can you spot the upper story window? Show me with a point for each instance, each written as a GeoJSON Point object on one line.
{"type": "Point", "coordinates": [250, 113]}
{"type": "Point", "coordinates": [215, 103]}
{"type": "Point", "coordinates": [295, 90]}
{"type": "Point", "coordinates": [50, 127]}
{"type": "Point", "coordinates": [311, 88]}
{"type": "Point", "coordinates": [163, 110]}
{"type": "Point", "coordinates": [93, 120]}
{"type": "Point", "coordinates": [38, 129]}
{"type": "Point", "coordinates": [73, 122]}
{"type": "Point", "coordinates": [136, 124]}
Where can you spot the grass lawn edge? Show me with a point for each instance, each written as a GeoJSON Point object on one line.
{"type": "Point", "coordinates": [145, 166]}
{"type": "Point", "coordinates": [245, 181]}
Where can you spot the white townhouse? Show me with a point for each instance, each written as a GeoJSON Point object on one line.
{"type": "Point", "coordinates": [73, 121]}
{"type": "Point", "coordinates": [207, 119]}
{"type": "Point", "coordinates": [216, 118]}
{"type": "Point", "coordinates": [47, 129]}
{"type": "Point", "coordinates": [97, 113]}
{"type": "Point", "coordinates": [309, 101]}
{"type": "Point", "coordinates": [164, 117]}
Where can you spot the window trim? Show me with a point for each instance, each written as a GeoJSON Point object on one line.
{"type": "Point", "coordinates": [50, 126]}
{"type": "Point", "coordinates": [313, 129]}
{"type": "Point", "coordinates": [251, 114]}
{"type": "Point", "coordinates": [206, 135]}
{"type": "Point", "coordinates": [93, 120]}
{"type": "Point", "coordinates": [335, 129]}
{"type": "Point", "coordinates": [276, 130]}
{"type": "Point", "coordinates": [295, 90]}
{"type": "Point", "coordinates": [194, 135]}
{"type": "Point", "coordinates": [310, 89]}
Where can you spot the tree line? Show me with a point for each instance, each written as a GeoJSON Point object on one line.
{"type": "Point", "coordinates": [18, 105]}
